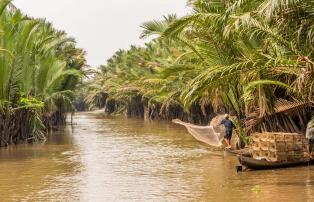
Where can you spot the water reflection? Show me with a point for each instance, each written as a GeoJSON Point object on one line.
{"type": "Point", "coordinates": [115, 159]}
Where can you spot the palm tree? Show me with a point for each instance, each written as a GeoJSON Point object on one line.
{"type": "Point", "coordinates": [39, 67]}
{"type": "Point", "coordinates": [263, 64]}
{"type": "Point", "coordinates": [253, 58]}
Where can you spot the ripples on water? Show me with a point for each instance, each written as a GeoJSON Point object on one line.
{"type": "Point", "coordinates": [116, 159]}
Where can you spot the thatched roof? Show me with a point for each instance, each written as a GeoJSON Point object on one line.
{"type": "Point", "coordinates": [285, 106]}
{"type": "Point", "coordinates": [281, 106]}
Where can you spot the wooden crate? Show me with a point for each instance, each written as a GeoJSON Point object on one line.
{"type": "Point", "coordinates": [256, 154]}
{"type": "Point", "coordinates": [255, 146]}
{"type": "Point", "coordinates": [271, 137]}
{"type": "Point", "coordinates": [277, 156]}
{"type": "Point", "coordinates": [279, 137]}
{"type": "Point", "coordinates": [299, 147]}
{"type": "Point", "coordinates": [295, 156]}
{"type": "Point", "coordinates": [289, 138]}
{"type": "Point", "coordinates": [298, 138]}
{"type": "Point", "coordinates": [263, 145]}
{"type": "Point", "coordinates": [264, 137]}
{"type": "Point", "coordinates": [255, 137]}
{"type": "Point", "coordinates": [279, 147]}
{"type": "Point", "coordinates": [290, 146]}
{"type": "Point", "coordinates": [264, 154]}
{"type": "Point", "coordinates": [272, 146]}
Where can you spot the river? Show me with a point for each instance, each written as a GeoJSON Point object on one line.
{"type": "Point", "coordinates": [102, 158]}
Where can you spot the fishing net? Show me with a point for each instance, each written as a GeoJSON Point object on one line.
{"type": "Point", "coordinates": [212, 134]}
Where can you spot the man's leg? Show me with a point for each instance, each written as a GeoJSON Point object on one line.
{"type": "Point", "coordinates": [226, 141]}
{"type": "Point", "coordinates": [229, 143]}
{"type": "Point", "coordinates": [228, 138]}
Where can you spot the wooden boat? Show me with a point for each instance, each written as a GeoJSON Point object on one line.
{"type": "Point", "coordinates": [255, 164]}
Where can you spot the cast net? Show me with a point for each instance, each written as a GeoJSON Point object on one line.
{"type": "Point", "coordinates": [212, 134]}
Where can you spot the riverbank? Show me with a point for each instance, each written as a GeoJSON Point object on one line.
{"type": "Point", "coordinates": [114, 159]}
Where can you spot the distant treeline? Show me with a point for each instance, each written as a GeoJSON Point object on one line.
{"type": "Point", "coordinates": [253, 59]}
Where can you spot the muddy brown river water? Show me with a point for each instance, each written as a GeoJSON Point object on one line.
{"type": "Point", "coordinates": [116, 159]}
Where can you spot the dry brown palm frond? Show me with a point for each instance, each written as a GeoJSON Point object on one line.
{"type": "Point", "coordinates": [281, 106]}
{"type": "Point", "coordinates": [285, 106]}
{"type": "Point", "coordinates": [305, 73]}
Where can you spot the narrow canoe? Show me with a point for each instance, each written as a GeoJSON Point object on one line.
{"type": "Point", "coordinates": [255, 164]}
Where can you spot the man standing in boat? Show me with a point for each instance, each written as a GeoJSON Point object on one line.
{"type": "Point", "coordinates": [229, 128]}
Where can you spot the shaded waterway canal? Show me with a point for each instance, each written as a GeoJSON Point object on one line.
{"type": "Point", "coordinates": [116, 159]}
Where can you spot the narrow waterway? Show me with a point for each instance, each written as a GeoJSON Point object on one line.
{"type": "Point", "coordinates": [115, 159]}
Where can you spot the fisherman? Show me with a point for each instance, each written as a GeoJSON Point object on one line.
{"type": "Point", "coordinates": [229, 127]}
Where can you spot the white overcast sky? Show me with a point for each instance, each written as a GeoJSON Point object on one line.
{"type": "Point", "coordinates": [101, 27]}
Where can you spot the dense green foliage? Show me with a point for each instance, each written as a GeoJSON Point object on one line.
{"type": "Point", "coordinates": [246, 57]}
{"type": "Point", "coordinates": [39, 68]}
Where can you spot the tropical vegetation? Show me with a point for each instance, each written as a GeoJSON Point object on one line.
{"type": "Point", "coordinates": [39, 68]}
{"type": "Point", "coordinates": [253, 59]}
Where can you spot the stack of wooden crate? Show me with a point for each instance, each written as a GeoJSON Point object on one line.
{"type": "Point", "coordinates": [280, 147]}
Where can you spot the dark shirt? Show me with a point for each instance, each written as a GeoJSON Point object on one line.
{"type": "Point", "coordinates": [228, 124]}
